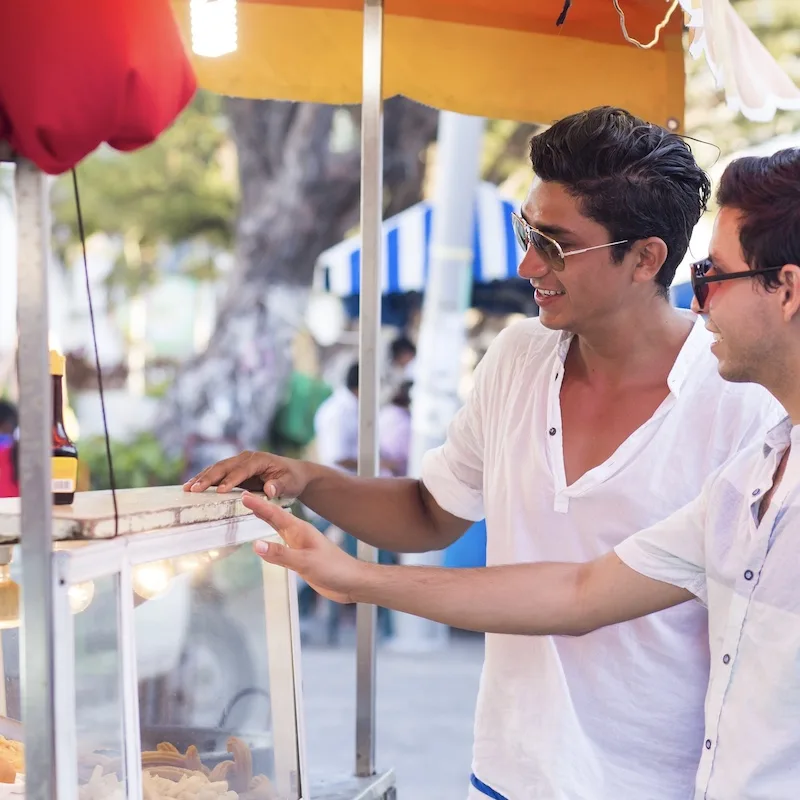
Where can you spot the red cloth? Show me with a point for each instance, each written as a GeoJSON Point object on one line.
{"type": "Point", "coordinates": [77, 73]}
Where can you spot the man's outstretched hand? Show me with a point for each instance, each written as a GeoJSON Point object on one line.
{"type": "Point", "coordinates": [322, 564]}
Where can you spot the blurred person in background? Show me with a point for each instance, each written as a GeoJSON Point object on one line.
{"type": "Point", "coordinates": [402, 360]}
{"type": "Point", "coordinates": [394, 432]}
{"type": "Point", "coordinates": [9, 482]}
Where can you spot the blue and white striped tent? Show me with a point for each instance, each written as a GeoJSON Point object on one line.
{"type": "Point", "coordinates": [406, 240]}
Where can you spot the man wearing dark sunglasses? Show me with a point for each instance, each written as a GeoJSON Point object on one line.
{"type": "Point", "coordinates": [592, 422]}
{"type": "Point", "coordinates": [735, 547]}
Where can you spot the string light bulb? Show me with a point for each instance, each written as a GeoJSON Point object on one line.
{"type": "Point", "coordinates": [9, 599]}
{"type": "Point", "coordinates": [214, 27]}
{"type": "Point", "coordinates": [152, 579]}
{"type": "Point", "coordinates": [80, 596]}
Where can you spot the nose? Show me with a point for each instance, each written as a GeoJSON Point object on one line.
{"type": "Point", "coordinates": [695, 306]}
{"type": "Point", "coordinates": [532, 265]}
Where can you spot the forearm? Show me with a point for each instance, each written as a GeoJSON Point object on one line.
{"type": "Point", "coordinates": [389, 513]}
{"type": "Point", "coordinates": [527, 599]}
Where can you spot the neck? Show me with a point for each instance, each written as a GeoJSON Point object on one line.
{"type": "Point", "coordinates": [632, 343]}
{"type": "Point", "coordinates": [785, 387]}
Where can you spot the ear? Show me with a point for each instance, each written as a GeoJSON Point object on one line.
{"type": "Point", "coordinates": [650, 256]}
{"type": "Point", "coordinates": [789, 292]}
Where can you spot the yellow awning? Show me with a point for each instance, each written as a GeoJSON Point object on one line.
{"type": "Point", "coordinates": [502, 59]}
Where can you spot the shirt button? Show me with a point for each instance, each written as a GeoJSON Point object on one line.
{"type": "Point", "coordinates": [726, 659]}
{"type": "Point", "coordinates": [756, 492]}
{"type": "Point", "coordinates": [708, 744]}
{"type": "Point", "coordinates": [748, 574]}
{"type": "Point", "coordinates": [552, 431]}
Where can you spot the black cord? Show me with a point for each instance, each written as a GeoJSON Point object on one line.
{"type": "Point", "coordinates": [240, 695]}
{"type": "Point", "coordinates": [82, 234]}
{"type": "Point", "coordinates": [562, 17]}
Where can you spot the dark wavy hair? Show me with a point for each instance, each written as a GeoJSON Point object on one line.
{"type": "Point", "coordinates": [635, 178]}
{"type": "Point", "coordinates": [766, 191]}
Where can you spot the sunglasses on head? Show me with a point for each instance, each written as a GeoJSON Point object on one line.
{"type": "Point", "coordinates": [701, 279]}
{"type": "Point", "coordinates": [548, 249]}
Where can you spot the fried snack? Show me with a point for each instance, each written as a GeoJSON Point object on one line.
{"type": "Point", "coordinates": [174, 774]}
{"type": "Point", "coordinates": [102, 787]}
{"type": "Point", "coordinates": [167, 747]}
{"type": "Point", "coordinates": [239, 779]}
{"type": "Point", "coordinates": [162, 758]}
{"type": "Point", "coordinates": [260, 788]}
{"type": "Point", "coordinates": [221, 771]}
{"type": "Point", "coordinates": [88, 761]}
{"type": "Point", "coordinates": [13, 752]}
{"type": "Point", "coordinates": [193, 761]}
{"type": "Point", "coordinates": [7, 772]}
{"type": "Point", "coordinates": [190, 786]}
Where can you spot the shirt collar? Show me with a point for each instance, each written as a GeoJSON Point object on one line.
{"type": "Point", "coordinates": [779, 437]}
{"type": "Point", "coordinates": [695, 345]}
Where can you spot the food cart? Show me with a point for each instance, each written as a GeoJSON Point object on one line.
{"type": "Point", "coordinates": [110, 707]}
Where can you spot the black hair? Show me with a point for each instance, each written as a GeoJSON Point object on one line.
{"type": "Point", "coordinates": [351, 381]}
{"type": "Point", "coordinates": [8, 414]}
{"type": "Point", "coordinates": [402, 345]}
{"type": "Point", "coordinates": [634, 178]}
{"type": "Point", "coordinates": [766, 191]}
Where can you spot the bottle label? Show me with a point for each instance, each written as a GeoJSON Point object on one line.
{"type": "Point", "coordinates": [65, 474]}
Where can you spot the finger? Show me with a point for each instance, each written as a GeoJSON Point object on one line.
{"type": "Point", "coordinates": [210, 476]}
{"type": "Point", "coordinates": [187, 487]}
{"type": "Point", "coordinates": [234, 475]}
{"type": "Point", "coordinates": [274, 553]}
{"type": "Point", "coordinates": [296, 533]}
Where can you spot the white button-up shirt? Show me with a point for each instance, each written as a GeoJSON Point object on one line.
{"type": "Point", "coordinates": [748, 574]}
{"type": "Point", "coordinates": [616, 714]}
{"type": "Point", "coordinates": [336, 428]}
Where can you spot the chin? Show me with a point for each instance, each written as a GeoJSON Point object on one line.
{"type": "Point", "coordinates": [734, 373]}
{"type": "Point", "coordinates": [553, 322]}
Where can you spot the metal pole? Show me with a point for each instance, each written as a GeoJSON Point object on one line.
{"type": "Point", "coordinates": [36, 412]}
{"type": "Point", "coordinates": [442, 334]}
{"type": "Point", "coordinates": [368, 354]}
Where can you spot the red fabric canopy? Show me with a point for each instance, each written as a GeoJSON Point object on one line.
{"type": "Point", "coordinates": [76, 74]}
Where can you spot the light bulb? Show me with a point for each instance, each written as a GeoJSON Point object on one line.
{"type": "Point", "coordinates": [192, 562]}
{"type": "Point", "coordinates": [151, 579]}
{"type": "Point", "coordinates": [80, 596]}
{"type": "Point", "coordinates": [9, 599]}
{"type": "Point", "coordinates": [214, 27]}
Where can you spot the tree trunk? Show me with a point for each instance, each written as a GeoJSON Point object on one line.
{"type": "Point", "coordinates": [298, 197]}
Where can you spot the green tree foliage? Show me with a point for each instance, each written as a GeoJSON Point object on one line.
{"type": "Point", "coordinates": [180, 188]}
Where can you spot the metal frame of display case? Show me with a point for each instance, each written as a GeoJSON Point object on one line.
{"type": "Point", "coordinates": [77, 560]}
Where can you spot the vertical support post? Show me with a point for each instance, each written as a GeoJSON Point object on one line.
{"type": "Point", "coordinates": [442, 334]}
{"type": "Point", "coordinates": [36, 410]}
{"type": "Point", "coordinates": [129, 680]}
{"type": "Point", "coordinates": [369, 354]}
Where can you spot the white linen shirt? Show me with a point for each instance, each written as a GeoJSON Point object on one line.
{"type": "Point", "coordinates": [616, 714]}
{"type": "Point", "coordinates": [336, 428]}
{"type": "Point", "coordinates": [748, 574]}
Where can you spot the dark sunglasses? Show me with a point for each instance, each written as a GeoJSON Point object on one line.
{"type": "Point", "coordinates": [701, 280]}
{"type": "Point", "coordinates": [549, 250]}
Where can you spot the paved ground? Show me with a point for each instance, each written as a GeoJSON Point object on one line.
{"type": "Point", "coordinates": [425, 706]}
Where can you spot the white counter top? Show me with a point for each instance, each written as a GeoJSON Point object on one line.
{"type": "Point", "coordinates": [91, 516]}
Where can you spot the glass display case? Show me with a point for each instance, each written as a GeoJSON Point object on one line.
{"type": "Point", "coordinates": [176, 651]}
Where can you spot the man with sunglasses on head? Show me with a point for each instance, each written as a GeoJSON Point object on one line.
{"type": "Point", "coordinates": [597, 419]}
{"type": "Point", "coordinates": [735, 547]}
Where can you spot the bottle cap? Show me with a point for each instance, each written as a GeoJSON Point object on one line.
{"type": "Point", "coordinates": [57, 363]}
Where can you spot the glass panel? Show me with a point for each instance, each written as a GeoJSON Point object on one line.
{"type": "Point", "coordinates": [201, 644]}
{"type": "Point", "coordinates": [98, 689]}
